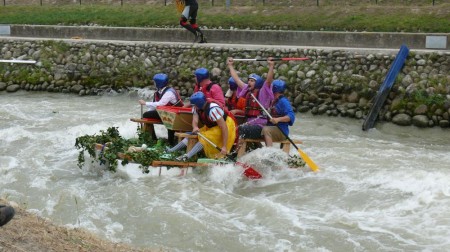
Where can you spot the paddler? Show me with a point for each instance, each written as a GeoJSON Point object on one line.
{"type": "Point", "coordinates": [261, 89]}
{"type": "Point", "coordinates": [282, 115]}
{"type": "Point", "coordinates": [219, 128]}
{"type": "Point", "coordinates": [164, 96]}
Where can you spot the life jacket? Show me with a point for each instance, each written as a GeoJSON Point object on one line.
{"type": "Point", "coordinates": [157, 97]}
{"type": "Point", "coordinates": [272, 110]}
{"type": "Point", "coordinates": [235, 103]}
{"type": "Point", "coordinates": [232, 101]}
{"type": "Point", "coordinates": [208, 88]}
{"type": "Point", "coordinates": [203, 115]}
{"type": "Point", "coordinates": [252, 108]}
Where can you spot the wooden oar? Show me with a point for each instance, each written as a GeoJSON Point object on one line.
{"type": "Point", "coordinates": [305, 157]}
{"type": "Point", "coordinates": [19, 61]}
{"type": "Point", "coordinates": [249, 171]}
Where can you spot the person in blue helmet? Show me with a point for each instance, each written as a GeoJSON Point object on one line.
{"type": "Point", "coordinates": [190, 14]}
{"type": "Point", "coordinates": [219, 127]}
{"type": "Point", "coordinates": [282, 115]}
{"type": "Point", "coordinates": [212, 91]}
{"type": "Point", "coordinates": [164, 96]}
{"type": "Point", "coordinates": [233, 102]}
{"type": "Point", "coordinates": [261, 89]}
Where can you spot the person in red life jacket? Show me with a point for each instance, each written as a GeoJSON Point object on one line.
{"type": "Point", "coordinates": [219, 127]}
{"type": "Point", "coordinates": [190, 14]}
{"type": "Point", "coordinates": [262, 91]}
{"type": "Point", "coordinates": [164, 96]}
{"type": "Point", "coordinates": [234, 104]}
{"type": "Point", "coordinates": [282, 115]}
{"type": "Point", "coordinates": [212, 91]}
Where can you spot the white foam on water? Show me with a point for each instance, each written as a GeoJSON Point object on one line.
{"type": "Point", "coordinates": [385, 190]}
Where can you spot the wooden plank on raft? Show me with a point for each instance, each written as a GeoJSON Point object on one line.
{"type": "Point", "coordinates": [177, 163]}
{"type": "Point", "coordinates": [285, 145]}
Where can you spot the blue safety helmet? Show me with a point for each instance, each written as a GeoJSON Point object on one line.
{"type": "Point", "coordinates": [201, 74]}
{"type": "Point", "coordinates": [198, 99]}
{"type": "Point", "coordinates": [278, 86]}
{"type": "Point", "coordinates": [161, 80]}
{"type": "Point", "coordinates": [259, 81]}
{"type": "Point", "coordinates": [233, 84]}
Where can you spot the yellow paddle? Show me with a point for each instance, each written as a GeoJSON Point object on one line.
{"type": "Point", "coordinates": [305, 157]}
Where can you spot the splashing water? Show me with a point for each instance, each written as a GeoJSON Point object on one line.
{"type": "Point", "coordinates": [383, 190]}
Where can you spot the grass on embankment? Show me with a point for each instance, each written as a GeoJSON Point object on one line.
{"type": "Point", "coordinates": [377, 18]}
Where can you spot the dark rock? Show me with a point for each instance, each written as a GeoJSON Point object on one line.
{"type": "Point", "coordinates": [420, 121]}
{"type": "Point", "coordinates": [402, 119]}
{"type": "Point", "coordinates": [3, 86]}
{"type": "Point", "coordinates": [13, 88]}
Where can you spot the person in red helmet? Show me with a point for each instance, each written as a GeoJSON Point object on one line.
{"type": "Point", "coordinates": [190, 14]}
{"type": "Point", "coordinates": [164, 96]}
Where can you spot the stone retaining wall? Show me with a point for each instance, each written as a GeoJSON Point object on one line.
{"type": "Point", "coordinates": [332, 82]}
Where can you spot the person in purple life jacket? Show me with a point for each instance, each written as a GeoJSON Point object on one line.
{"type": "Point", "coordinates": [261, 89]}
{"type": "Point", "coordinates": [164, 96]}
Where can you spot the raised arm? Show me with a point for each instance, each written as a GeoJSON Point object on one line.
{"type": "Point", "coordinates": [233, 73]}
{"type": "Point", "coordinates": [270, 73]}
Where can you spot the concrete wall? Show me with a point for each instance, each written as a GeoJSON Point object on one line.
{"type": "Point", "coordinates": [333, 81]}
{"type": "Point", "coordinates": [260, 37]}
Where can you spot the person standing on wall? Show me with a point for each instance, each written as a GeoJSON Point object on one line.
{"type": "Point", "coordinates": [189, 13]}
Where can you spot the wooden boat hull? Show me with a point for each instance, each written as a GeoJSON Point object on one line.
{"type": "Point", "coordinates": [158, 167]}
{"type": "Point", "coordinates": [176, 118]}
{"type": "Point", "coordinates": [180, 118]}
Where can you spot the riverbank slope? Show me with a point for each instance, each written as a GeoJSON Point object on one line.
{"type": "Point", "coordinates": [28, 232]}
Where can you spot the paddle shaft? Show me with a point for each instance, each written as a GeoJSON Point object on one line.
{"type": "Point", "coordinates": [273, 59]}
{"type": "Point", "coordinates": [305, 157]}
{"type": "Point", "coordinates": [19, 61]}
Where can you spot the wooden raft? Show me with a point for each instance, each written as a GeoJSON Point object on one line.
{"type": "Point", "coordinates": [147, 124]}
{"type": "Point", "coordinates": [285, 145]}
{"type": "Point", "coordinates": [155, 163]}
{"type": "Point", "coordinates": [192, 139]}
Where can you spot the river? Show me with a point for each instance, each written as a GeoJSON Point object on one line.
{"type": "Point", "coordinates": [387, 189]}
